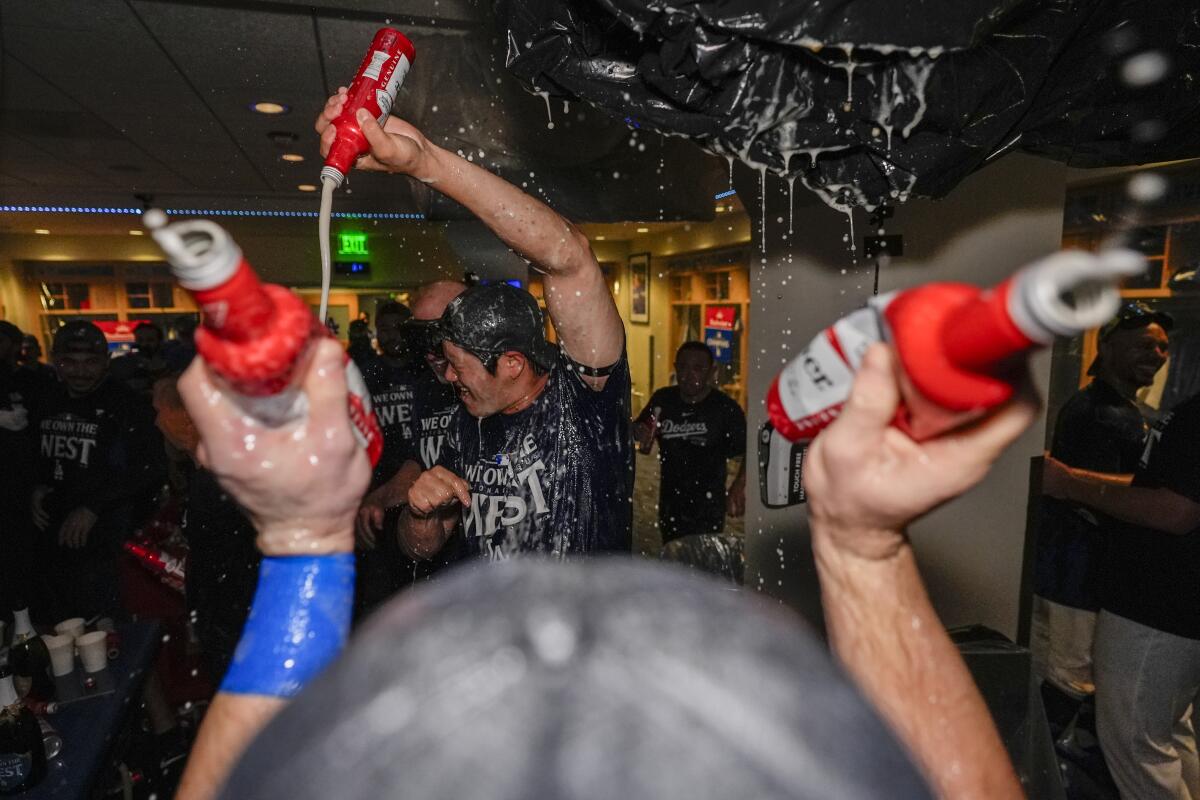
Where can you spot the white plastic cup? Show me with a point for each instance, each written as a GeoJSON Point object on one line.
{"type": "Point", "coordinates": [93, 650]}
{"type": "Point", "coordinates": [62, 653]}
{"type": "Point", "coordinates": [73, 627]}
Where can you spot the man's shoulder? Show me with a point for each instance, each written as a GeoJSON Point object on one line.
{"type": "Point", "coordinates": [727, 402]}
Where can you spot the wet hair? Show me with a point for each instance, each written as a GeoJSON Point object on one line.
{"type": "Point", "coordinates": [390, 308]}
{"type": "Point", "coordinates": [605, 679]}
{"type": "Point", "coordinates": [11, 332]}
{"type": "Point", "coordinates": [693, 345]}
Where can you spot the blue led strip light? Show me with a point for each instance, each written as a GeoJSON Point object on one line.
{"type": "Point", "coordinates": [199, 212]}
{"type": "Point", "coordinates": [721, 195]}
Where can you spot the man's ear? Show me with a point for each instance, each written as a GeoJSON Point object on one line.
{"type": "Point", "coordinates": [514, 364]}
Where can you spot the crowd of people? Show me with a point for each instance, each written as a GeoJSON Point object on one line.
{"type": "Point", "coordinates": [510, 676]}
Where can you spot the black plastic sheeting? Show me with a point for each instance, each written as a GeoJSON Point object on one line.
{"type": "Point", "coordinates": [868, 101]}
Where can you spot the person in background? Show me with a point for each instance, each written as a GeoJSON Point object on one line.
{"type": "Point", "coordinates": [525, 665]}
{"type": "Point", "coordinates": [698, 429]}
{"type": "Point", "coordinates": [141, 368]}
{"type": "Point", "coordinates": [1147, 642]}
{"type": "Point", "coordinates": [360, 347]}
{"type": "Point", "coordinates": [222, 564]}
{"type": "Point", "coordinates": [99, 461]}
{"type": "Point", "coordinates": [180, 351]}
{"type": "Point", "coordinates": [30, 359]}
{"type": "Point", "coordinates": [538, 458]}
{"type": "Point", "coordinates": [1100, 428]}
{"type": "Point", "coordinates": [433, 402]}
{"type": "Point", "coordinates": [20, 392]}
{"type": "Point", "coordinates": [383, 569]}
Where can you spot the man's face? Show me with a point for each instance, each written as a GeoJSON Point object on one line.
{"type": "Point", "coordinates": [148, 341]}
{"type": "Point", "coordinates": [30, 350]}
{"type": "Point", "coordinates": [479, 390]}
{"type": "Point", "coordinates": [1138, 354]}
{"type": "Point", "coordinates": [81, 372]}
{"type": "Point", "coordinates": [389, 331]}
{"type": "Point", "coordinates": [692, 371]}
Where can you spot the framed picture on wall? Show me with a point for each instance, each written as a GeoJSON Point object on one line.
{"type": "Point", "coordinates": [639, 288]}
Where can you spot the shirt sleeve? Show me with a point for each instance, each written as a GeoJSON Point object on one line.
{"type": "Point", "coordinates": [648, 409]}
{"type": "Point", "coordinates": [735, 431]}
{"type": "Point", "coordinates": [1173, 463]}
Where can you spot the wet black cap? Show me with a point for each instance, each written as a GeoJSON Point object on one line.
{"type": "Point", "coordinates": [488, 321]}
{"type": "Point", "coordinates": [1136, 314]}
{"type": "Point", "coordinates": [79, 336]}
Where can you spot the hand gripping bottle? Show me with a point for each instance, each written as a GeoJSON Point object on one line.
{"type": "Point", "coordinates": [374, 88]}
{"type": "Point", "coordinates": [255, 336]}
{"type": "Point", "coordinates": [961, 349]}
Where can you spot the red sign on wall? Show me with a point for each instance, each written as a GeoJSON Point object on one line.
{"type": "Point", "coordinates": [118, 332]}
{"type": "Point", "coordinates": [720, 317]}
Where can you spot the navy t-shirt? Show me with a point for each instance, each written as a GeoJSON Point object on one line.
{"type": "Point", "coordinates": [392, 388]}
{"type": "Point", "coordinates": [1153, 578]}
{"type": "Point", "coordinates": [555, 478]}
{"type": "Point", "coordinates": [694, 442]}
{"type": "Point", "coordinates": [1097, 430]}
{"type": "Point", "coordinates": [433, 407]}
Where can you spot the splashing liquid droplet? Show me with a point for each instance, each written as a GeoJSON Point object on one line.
{"type": "Point", "coordinates": [730, 160]}
{"type": "Point", "coordinates": [762, 191]}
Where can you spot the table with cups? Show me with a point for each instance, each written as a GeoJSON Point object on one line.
{"type": "Point", "coordinates": [98, 678]}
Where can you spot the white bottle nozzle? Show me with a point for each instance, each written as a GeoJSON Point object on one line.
{"type": "Point", "coordinates": [201, 254]}
{"type": "Point", "coordinates": [1070, 292]}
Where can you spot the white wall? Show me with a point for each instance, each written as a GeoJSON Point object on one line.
{"type": "Point", "coordinates": [997, 220]}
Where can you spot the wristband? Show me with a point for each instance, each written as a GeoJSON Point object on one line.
{"type": "Point", "coordinates": [298, 623]}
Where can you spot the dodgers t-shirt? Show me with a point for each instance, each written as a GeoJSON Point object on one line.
{"type": "Point", "coordinates": [434, 403]}
{"type": "Point", "coordinates": [392, 388]}
{"type": "Point", "coordinates": [554, 478]}
{"type": "Point", "coordinates": [694, 442]}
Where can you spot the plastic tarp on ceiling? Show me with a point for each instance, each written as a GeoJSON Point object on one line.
{"type": "Point", "coordinates": [868, 101]}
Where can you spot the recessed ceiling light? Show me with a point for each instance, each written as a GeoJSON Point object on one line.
{"type": "Point", "coordinates": [599, 238]}
{"type": "Point", "coordinates": [42, 231]}
{"type": "Point", "coordinates": [135, 233]}
{"type": "Point", "coordinates": [292, 157]}
{"type": "Point", "coordinates": [307, 187]}
{"type": "Point", "coordinates": [643, 230]}
{"type": "Point", "coordinates": [269, 108]}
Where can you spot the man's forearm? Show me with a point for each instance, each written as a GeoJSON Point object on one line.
{"type": "Point", "coordinates": [1159, 509]}
{"type": "Point", "coordinates": [739, 479]}
{"type": "Point", "coordinates": [883, 628]}
{"type": "Point", "coordinates": [231, 722]}
{"type": "Point", "coordinates": [423, 537]}
{"type": "Point", "coordinates": [525, 224]}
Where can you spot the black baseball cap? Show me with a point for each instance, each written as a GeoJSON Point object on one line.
{"type": "Point", "coordinates": [1136, 314]}
{"type": "Point", "coordinates": [490, 320]}
{"type": "Point", "coordinates": [79, 336]}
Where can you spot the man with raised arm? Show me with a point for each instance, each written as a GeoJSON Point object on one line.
{"type": "Point", "coordinates": [538, 459]}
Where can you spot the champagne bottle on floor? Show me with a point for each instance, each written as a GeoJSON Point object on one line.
{"type": "Point", "coordinates": [22, 751]}
{"type": "Point", "coordinates": [29, 660]}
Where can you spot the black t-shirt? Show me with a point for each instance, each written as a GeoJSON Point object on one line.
{"type": "Point", "coordinates": [554, 478]}
{"type": "Point", "coordinates": [392, 392]}
{"type": "Point", "coordinates": [1102, 431]}
{"type": "Point", "coordinates": [1153, 578]}
{"type": "Point", "coordinates": [101, 451]}
{"type": "Point", "coordinates": [694, 442]}
{"type": "Point", "coordinates": [433, 408]}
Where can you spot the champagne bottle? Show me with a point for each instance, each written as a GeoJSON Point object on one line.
{"type": "Point", "coordinates": [30, 660]}
{"type": "Point", "coordinates": [22, 751]}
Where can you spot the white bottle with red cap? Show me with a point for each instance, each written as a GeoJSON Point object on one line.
{"type": "Point", "coordinates": [961, 349]}
{"type": "Point", "coordinates": [255, 336]}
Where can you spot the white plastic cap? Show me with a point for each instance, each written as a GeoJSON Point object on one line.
{"type": "Point", "coordinates": [1070, 292]}
{"type": "Point", "coordinates": [201, 253]}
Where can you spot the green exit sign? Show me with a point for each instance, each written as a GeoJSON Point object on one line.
{"type": "Point", "coordinates": [352, 244]}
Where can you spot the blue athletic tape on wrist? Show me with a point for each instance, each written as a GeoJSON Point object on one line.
{"type": "Point", "coordinates": [298, 623]}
